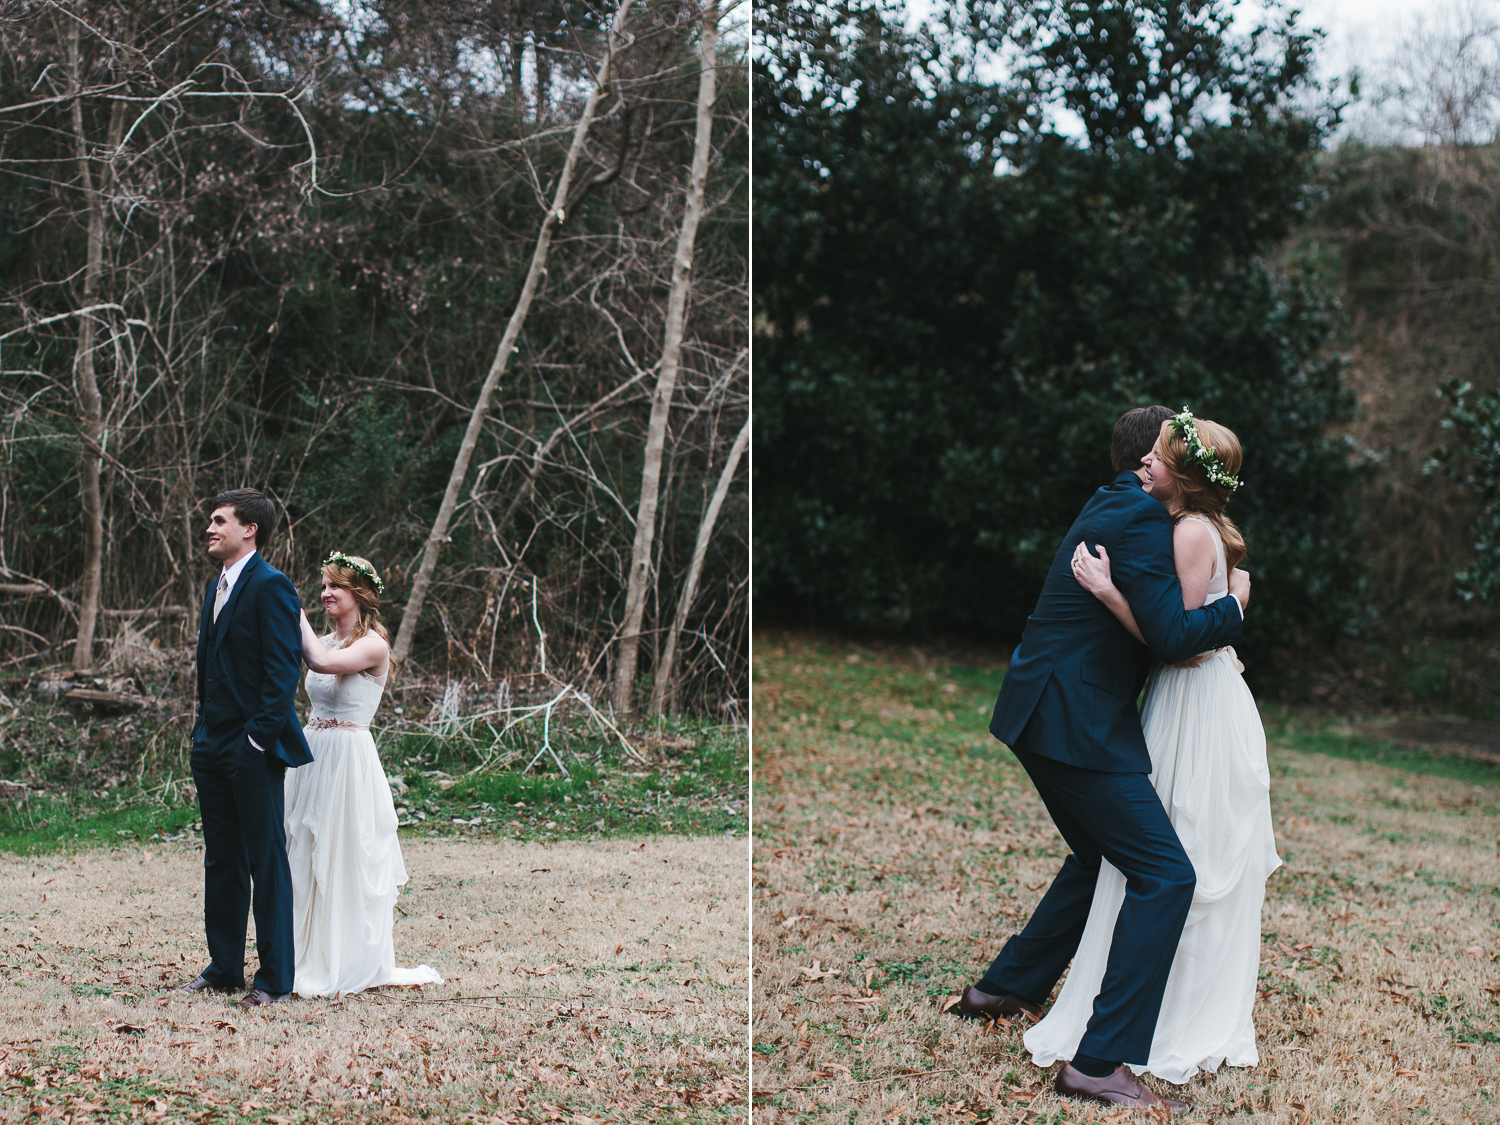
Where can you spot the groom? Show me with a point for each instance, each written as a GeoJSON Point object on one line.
{"type": "Point", "coordinates": [245, 738]}
{"type": "Point", "coordinates": [1067, 710]}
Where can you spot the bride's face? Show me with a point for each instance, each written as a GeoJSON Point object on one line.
{"type": "Point", "coordinates": [1156, 478]}
{"type": "Point", "coordinates": [337, 601]}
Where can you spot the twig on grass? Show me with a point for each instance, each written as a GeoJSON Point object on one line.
{"type": "Point", "coordinates": [508, 996]}
{"type": "Point", "coordinates": [861, 1082]}
{"type": "Point", "coordinates": [1025, 1112]}
{"type": "Point", "coordinates": [465, 999]}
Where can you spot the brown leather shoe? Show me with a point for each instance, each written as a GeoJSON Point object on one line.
{"type": "Point", "coordinates": [201, 984]}
{"type": "Point", "coordinates": [1121, 1088]}
{"type": "Point", "coordinates": [259, 998]}
{"type": "Point", "coordinates": [977, 1005]}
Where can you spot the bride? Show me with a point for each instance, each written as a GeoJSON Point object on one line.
{"type": "Point", "coordinates": [340, 820]}
{"type": "Point", "coordinates": [1208, 765]}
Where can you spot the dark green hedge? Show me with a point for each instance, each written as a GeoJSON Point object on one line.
{"type": "Point", "coordinates": [943, 350]}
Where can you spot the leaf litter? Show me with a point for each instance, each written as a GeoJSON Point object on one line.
{"type": "Point", "coordinates": [89, 1036]}
{"type": "Point", "coordinates": [896, 854]}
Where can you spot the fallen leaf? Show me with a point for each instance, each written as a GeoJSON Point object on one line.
{"type": "Point", "coordinates": [951, 1001]}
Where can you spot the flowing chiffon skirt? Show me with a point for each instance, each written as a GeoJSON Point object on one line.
{"type": "Point", "coordinates": [1208, 756]}
{"type": "Point", "coordinates": [347, 869]}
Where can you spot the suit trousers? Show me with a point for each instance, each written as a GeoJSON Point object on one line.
{"type": "Point", "coordinates": [1118, 817]}
{"type": "Point", "coordinates": [243, 803]}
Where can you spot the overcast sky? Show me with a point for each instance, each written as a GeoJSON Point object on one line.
{"type": "Point", "coordinates": [1364, 34]}
{"type": "Point", "coordinates": [1361, 35]}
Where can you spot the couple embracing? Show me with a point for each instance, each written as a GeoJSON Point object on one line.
{"type": "Point", "coordinates": [297, 821]}
{"type": "Point", "coordinates": [1166, 811]}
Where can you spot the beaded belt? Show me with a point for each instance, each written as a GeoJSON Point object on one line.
{"type": "Point", "coordinates": [1204, 657]}
{"type": "Point", "coordinates": [333, 724]}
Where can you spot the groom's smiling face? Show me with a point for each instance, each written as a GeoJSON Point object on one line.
{"type": "Point", "coordinates": [228, 539]}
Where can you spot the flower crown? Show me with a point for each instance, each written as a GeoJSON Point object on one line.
{"type": "Point", "coordinates": [1198, 453]}
{"type": "Point", "coordinates": [340, 559]}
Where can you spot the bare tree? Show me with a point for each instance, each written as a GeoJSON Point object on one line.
{"type": "Point", "coordinates": [91, 407]}
{"type": "Point", "coordinates": [554, 218]}
{"type": "Point", "coordinates": [1444, 81]}
{"type": "Point", "coordinates": [663, 688]}
{"type": "Point", "coordinates": [639, 579]}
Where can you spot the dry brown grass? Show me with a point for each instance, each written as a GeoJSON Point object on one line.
{"type": "Point", "coordinates": [897, 846]}
{"type": "Point", "coordinates": [621, 967]}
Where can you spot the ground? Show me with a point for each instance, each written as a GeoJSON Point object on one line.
{"type": "Point", "coordinates": [586, 982]}
{"type": "Point", "coordinates": [897, 845]}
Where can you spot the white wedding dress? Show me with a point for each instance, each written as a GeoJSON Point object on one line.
{"type": "Point", "coordinates": [342, 846]}
{"type": "Point", "coordinates": [1208, 764]}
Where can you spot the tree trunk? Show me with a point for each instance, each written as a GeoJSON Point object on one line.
{"type": "Point", "coordinates": [517, 61]}
{"type": "Point", "coordinates": [663, 690]}
{"type": "Point", "coordinates": [90, 402]}
{"type": "Point", "coordinates": [638, 580]}
{"type": "Point", "coordinates": [554, 216]}
{"type": "Point", "coordinates": [543, 81]}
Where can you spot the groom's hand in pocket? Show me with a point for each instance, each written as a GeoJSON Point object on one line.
{"type": "Point", "coordinates": [1239, 586]}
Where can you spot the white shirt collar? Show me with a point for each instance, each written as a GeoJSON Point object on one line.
{"type": "Point", "coordinates": [231, 574]}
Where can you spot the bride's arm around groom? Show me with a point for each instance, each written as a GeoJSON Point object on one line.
{"type": "Point", "coordinates": [1067, 710]}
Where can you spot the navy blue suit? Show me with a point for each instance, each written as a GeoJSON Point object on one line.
{"type": "Point", "coordinates": [249, 662]}
{"type": "Point", "coordinates": [1067, 709]}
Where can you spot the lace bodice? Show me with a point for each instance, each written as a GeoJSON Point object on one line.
{"type": "Point", "coordinates": [350, 700]}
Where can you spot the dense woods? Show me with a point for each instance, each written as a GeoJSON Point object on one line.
{"type": "Point", "coordinates": [966, 270]}
{"type": "Point", "coordinates": [286, 244]}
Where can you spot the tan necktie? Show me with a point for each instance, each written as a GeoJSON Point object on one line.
{"type": "Point", "coordinates": [221, 596]}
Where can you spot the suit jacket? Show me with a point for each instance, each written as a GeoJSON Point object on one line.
{"type": "Point", "coordinates": [249, 662]}
{"type": "Point", "coordinates": [1073, 682]}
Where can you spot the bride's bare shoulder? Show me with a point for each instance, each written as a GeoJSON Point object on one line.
{"type": "Point", "coordinates": [1193, 537]}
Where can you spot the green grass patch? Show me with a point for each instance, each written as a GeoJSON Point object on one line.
{"type": "Point", "coordinates": [941, 711]}
{"type": "Point", "coordinates": [46, 823]}
{"type": "Point", "coordinates": [453, 787]}
{"type": "Point", "coordinates": [1313, 733]}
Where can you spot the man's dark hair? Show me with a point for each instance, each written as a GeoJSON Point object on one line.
{"type": "Point", "coordinates": [1135, 433]}
{"type": "Point", "coordinates": [250, 505]}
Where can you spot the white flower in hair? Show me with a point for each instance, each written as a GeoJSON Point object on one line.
{"type": "Point", "coordinates": [1198, 453]}
{"type": "Point", "coordinates": [338, 558]}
